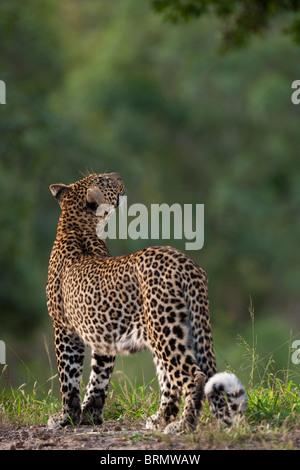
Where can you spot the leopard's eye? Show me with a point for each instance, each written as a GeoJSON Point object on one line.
{"type": "Point", "coordinates": [104, 180]}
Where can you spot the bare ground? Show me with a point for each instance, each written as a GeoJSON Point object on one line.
{"type": "Point", "coordinates": [114, 435]}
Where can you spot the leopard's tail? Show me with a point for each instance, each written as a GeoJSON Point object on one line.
{"type": "Point", "coordinates": [227, 396]}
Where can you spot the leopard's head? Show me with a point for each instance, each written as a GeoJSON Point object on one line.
{"type": "Point", "coordinates": [85, 201]}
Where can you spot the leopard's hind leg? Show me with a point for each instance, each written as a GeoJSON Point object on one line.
{"type": "Point", "coordinates": [172, 348]}
{"type": "Point", "coordinates": [185, 378]}
{"type": "Point", "coordinates": [170, 399]}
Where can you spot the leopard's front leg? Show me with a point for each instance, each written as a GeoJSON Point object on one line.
{"type": "Point", "coordinates": [70, 354]}
{"type": "Point", "coordinates": [96, 393]}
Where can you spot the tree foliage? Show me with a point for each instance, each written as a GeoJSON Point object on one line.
{"type": "Point", "coordinates": [240, 20]}
{"type": "Point", "coordinates": [30, 67]}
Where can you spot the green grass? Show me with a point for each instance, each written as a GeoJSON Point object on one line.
{"type": "Point", "coordinates": [130, 402]}
{"type": "Point", "coordinates": [272, 414]}
{"type": "Point", "coordinates": [23, 408]}
{"type": "Point", "coordinates": [275, 404]}
{"type": "Point", "coordinates": [124, 402]}
{"type": "Point", "coordinates": [271, 418]}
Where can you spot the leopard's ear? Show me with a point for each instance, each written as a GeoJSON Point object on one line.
{"type": "Point", "coordinates": [59, 191]}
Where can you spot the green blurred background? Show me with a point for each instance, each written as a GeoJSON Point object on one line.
{"type": "Point", "coordinates": [100, 86]}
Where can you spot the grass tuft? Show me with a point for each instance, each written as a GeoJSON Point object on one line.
{"type": "Point", "coordinates": [126, 401]}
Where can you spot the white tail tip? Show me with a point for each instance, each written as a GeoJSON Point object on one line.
{"type": "Point", "coordinates": [227, 384]}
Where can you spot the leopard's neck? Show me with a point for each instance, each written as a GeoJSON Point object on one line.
{"type": "Point", "coordinates": [73, 241]}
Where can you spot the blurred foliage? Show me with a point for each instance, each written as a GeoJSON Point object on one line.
{"type": "Point", "coordinates": [30, 66]}
{"type": "Point", "coordinates": [105, 86]}
{"type": "Point", "coordinates": [240, 20]}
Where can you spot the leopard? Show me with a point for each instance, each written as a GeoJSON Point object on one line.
{"type": "Point", "coordinates": [155, 298]}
